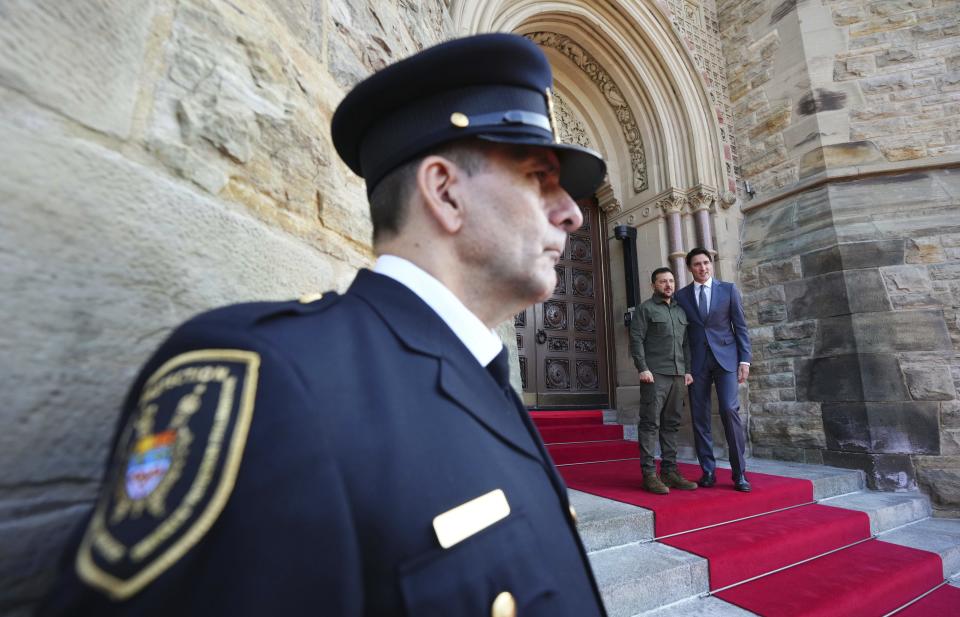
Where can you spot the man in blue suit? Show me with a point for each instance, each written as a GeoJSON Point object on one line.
{"type": "Point", "coordinates": [720, 355]}
{"type": "Point", "coordinates": [363, 454]}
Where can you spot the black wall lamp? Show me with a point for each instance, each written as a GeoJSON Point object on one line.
{"type": "Point", "coordinates": [628, 235]}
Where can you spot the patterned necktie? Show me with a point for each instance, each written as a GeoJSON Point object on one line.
{"type": "Point", "coordinates": [703, 303]}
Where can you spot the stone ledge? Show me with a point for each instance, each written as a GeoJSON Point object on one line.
{"type": "Point", "coordinates": [854, 172]}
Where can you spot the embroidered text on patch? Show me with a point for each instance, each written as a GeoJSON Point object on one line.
{"type": "Point", "coordinates": [175, 466]}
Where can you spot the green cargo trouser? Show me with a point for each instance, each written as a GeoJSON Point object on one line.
{"type": "Point", "coordinates": [661, 404]}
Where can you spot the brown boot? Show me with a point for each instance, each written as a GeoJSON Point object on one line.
{"type": "Point", "coordinates": [652, 483]}
{"type": "Point", "coordinates": [673, 479]}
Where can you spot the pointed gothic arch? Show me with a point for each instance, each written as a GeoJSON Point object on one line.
{"type": "Point", "coordinates": [633, 85]}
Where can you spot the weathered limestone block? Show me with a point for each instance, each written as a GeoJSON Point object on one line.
{"type": "Point", "coordinates": [117, 255]}
{"type": "Point", "coordinates": [792, 431]}
{"type": "Point", "coordinates": [240, 98]}
{"type": "Point", "coordinates": [795, 330]}
{"type": "Point", "coordinates": [883, 332]}
{"type": "Point", "coordinates": [790, 348]}
{"type": "Point", "coordinates": [926, 250]}
{"type": "Point", "coordinates": [846, 15]}
{"type": "Point", "coordinates": [850, 378]}
{"type": "Point", "coordinates": [83, 58]}
{"type": "Point", "coordinates": [906, 279]}
{"type": "Point", "coordinates": [759, 396]}
{"type": "Point", "coordinates": [930, 382]}
{"type": "Point", "coordinates": [887, 83]}
{"type": "Point", "coordinates": [898, 427]}
{"type": "Point", "coordinates": [944, 272]}
{"type": "Point", "coordinates": [950, 414]}
{"type": "Point", "coordinates": [837, 293]}
{"type": "Point", "coordinates": [885, 472]}
{"type": "Point", "coordinates": [940, 478]}
{"type": "Point", "coordinates": [775, 272]}
{"type": "Point", "coordinates": [853, 256]}
{"type": "Point", "coordinates": [854, 68]}
{"type": "Point", "coordinates": [366, 36]}
{"type": "Point", "coordinates": [896, 56]}
{"type": "Point", "coordinates": [839, 155]}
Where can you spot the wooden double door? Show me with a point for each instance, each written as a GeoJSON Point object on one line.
{"type": "Point", "coordinates": [562, 342]}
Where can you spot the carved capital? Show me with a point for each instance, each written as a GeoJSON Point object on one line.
{"type": "Point", "coordinates": [672, 202]}
{"type": "Point", "coordinates": [702, 198]}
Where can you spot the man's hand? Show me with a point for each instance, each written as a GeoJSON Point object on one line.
{"type": "Point", "coordinates": [687, 379]}
{"type": "Point", "coordinates": [743, 372]}
{"type": "Point", "coordinates": [646, 377]}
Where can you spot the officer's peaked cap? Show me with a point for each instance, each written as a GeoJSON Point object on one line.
{"type": "Point", "coordinates": [494, 87]}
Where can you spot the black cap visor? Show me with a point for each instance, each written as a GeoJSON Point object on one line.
{"type": "Point", "coordinates": [581, 169]}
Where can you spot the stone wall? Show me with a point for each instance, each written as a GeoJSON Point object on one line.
{"type": "Point", "coordinates": [159, 158]}
{"type": "Point", "coordinates": [847, 117]}
{"type": "Point", "coordinates": [822, 84]}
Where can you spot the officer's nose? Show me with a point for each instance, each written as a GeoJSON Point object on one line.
{"type": "Point", "coordinates": [564, 212]}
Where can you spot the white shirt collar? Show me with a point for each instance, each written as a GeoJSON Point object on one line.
{"type": "Point", "coordinates": [708, 284]}
{"type": "Point", "coordinates": [480, 340]}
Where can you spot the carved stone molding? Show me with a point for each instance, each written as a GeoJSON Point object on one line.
{"type": "Point", "coordinates": [611, 92]}
{"type": "Point", "coordinates": [606, 199]}
{"type": "Point", "coordinates": [569, 126]}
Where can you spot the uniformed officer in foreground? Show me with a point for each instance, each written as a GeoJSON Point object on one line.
{"type": "Point", "coordinates": [661, 353]}
{"type": "Point", "coordinates": [352, 455]}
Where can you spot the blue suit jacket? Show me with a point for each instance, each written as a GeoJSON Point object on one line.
{"type": "Point", "coordinates": [369, 418]}
{"type": "Point", "coordinates": [725, 331]}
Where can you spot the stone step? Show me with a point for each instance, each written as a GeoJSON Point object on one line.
{"type": "Point", "coordinates": [827, 481]}
{"type": "Point", "coordinates": [887, 511]}
{"type": "Point", "coordinates": [604, 523]}
{"type": "Point", "coordinates": [937, 535]}
{"type": "Point", "coordinates": [641, 577]}
{"type": "Point", "coordinates": [638, 577]}
{"type": "Point", "coordinates": [704, 606]}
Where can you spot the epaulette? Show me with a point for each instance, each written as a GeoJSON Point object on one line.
{"type": "Point", "coordinates": [252, 313]}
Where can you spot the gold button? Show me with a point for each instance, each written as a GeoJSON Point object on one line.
{"type": "Point", "coordinates": [573, 514]}
{"type": "Point", "coordinates": [308, 298]}
{"type": "Point", "coordinates": [504, 605]}
{"type": "Point", "coordinates": [459, 120]}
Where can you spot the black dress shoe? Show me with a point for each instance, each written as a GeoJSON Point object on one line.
{"type": "Point", "coordinates": [707, 480]}
{"type": "Point", "coordinates": [741, 484]}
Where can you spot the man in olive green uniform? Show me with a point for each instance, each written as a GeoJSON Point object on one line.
{"type": "Point", "coordinates": [658, 344]}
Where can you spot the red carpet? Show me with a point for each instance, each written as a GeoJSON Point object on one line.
{"type": "Point", "coordinates": [870, 578]}
{"type": "Point", "coordinates": [866, 580]}
{"type": "Point", "coordinates": [569, 453]}
{"type": "Point", "coordinates": [685, 510]}
{"type": "Point", "coordinates": [739, 551]}
{"type": "Point", "coordinates": [581, 432]}
{"type": "Point", "coordinates": [944, 602]}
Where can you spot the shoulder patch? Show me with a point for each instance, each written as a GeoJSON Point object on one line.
{"type": "Point", "coordinates": [174, 469]}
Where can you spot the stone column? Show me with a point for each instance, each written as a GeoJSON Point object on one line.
{"type": "Point", "coordinates": [672, 205]}
{"type": "Point", "coordinates": [700, 202]}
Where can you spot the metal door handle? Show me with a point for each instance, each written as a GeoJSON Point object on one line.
{"type": "Point", "coordinates": [541, 336]}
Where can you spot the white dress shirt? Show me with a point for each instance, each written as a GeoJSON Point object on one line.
{"type": "Point", "coordinates": [482, 341]}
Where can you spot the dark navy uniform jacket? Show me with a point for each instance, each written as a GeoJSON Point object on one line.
{"type": "Point", "coordinates": [289, 459]}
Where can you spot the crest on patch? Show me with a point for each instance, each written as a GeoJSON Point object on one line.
{"type": "Point", "coordinates": [174, 468]}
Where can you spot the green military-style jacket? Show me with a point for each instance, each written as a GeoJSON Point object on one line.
{"type": "Point", "coordinates": [658, 338]}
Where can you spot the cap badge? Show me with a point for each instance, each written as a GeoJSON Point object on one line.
{"type": "Point", "coordinates": [553, 116]}
{"type": "Point", "coordinates": [459, 120]}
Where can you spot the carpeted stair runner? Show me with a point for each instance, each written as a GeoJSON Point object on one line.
{"type": "Point", "coordinates": [943, 601]}
{"type": "Point", "coordinates": [772, 551]}
{"type": "Point", "coordinates": [742, 550]}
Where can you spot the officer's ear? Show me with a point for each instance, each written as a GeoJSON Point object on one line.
{"type": "Point", "coordinates": [438, 182]}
